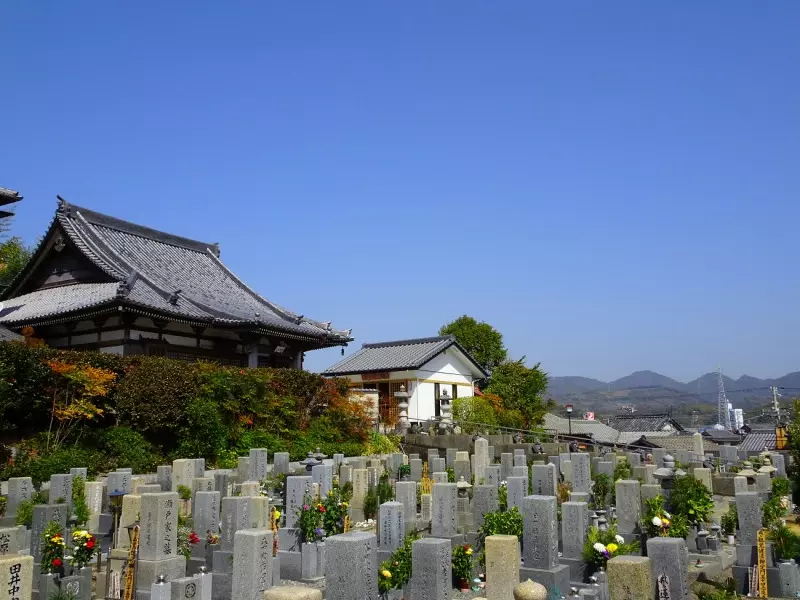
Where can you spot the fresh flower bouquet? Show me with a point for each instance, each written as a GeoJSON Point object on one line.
{"type": "Point", "coordinates": [462, 564]}
{"type": "Point", "coordinates": [309, 519]}
{"type": "Point", "coordinates": [84, 547]}
{"type": "Point", "coordinates": [334, 514]}
{"type": "Point", "coordinates": [53, 545]}
{"type": "Point", "coordinates": [186, 538]}
{"type": "Point", "coordinates": [657, 522]}
{"type": "Point", "coordinates": [601, 546]}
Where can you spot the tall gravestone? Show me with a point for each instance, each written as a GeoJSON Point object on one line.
{"type": "Point", "coordinates": [517, 489]}
{"type": "Point", "coordinates": [629, 506]}
{"type": "Point", "coordinates": [16, 577]}
{"type": "Point", "coordinates": [323, 476]}
{"type": "Point", "coordinates": [581, 474]}
{"type": "Point", "coordinates": [259, 460]}
{"type": "Point", "coordinates": [206, 513]}
{"type": "Point", "coordinates": [183, 471]}
{"type": "Point", "coordinates": [297, 486]}
{"type": "Point", "coordinates": [415, 465]}
{"type": "Point", "coordinates": [481, 458]}
{"type": "Point", "coordinates": [540, 548]}
{"type": "Point", "coordinates": [544, 480]}
{"type": "Point", "coordinates": [506, 464]}
{"type": "Point", "coordinates": [406, 493]}
{"type": "Point", "coordinates": [252, 563]}
{"type": "Point", "coordinates": [61, 489]}
{"type": "Point", "coordinates": [235, 516]}
{"type": "Point", "coordinates": [669, 562]}
{"type": "Point", "coordinates": [491, 475]}
{"type": "Point", "coordinates": [42, 515]}
{"type": "Point", "coordinates": [502, 566]}
{"type": "Point", "coordinates": [391, 526]}
{"type": "Point", "coordinates": [281, 462]}
{"type": "Point", "coordinates": [443, 520]}
{"type": "Point", "coordinates": [19, 490]}
{"type": "Point", "coordinates": [450, 456]}
{"type": "Point", "coordinates": [484, 500]}
{"type": "Point", "coordinates": [164, 477]}
{"type": "Point", "coordinates": [352, 561]}
{"type": "Point", "coordinates": [431, 570]}
{"type": "Point", "coordinates": [462, 466]}
{"type": "Point", "coordinates": [158, 540]}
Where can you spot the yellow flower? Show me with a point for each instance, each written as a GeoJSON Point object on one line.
{"type": "Point", "coordinates": [277, 514]}
{"type": "Point", "coordinates": [386, 574]}
{"type": "Point", "coordinates": [612, 547]}
{"type": "Point", "coordinates": [468, 551]}
{"type": "Point", "coordinates": [665, 521]}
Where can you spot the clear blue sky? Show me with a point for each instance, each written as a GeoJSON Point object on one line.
{"type": "Point", "coordinates": [615, 185]}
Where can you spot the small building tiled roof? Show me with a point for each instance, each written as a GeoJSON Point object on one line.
{"type": "Point", "coordinates": [722, 436]}
{"type": "Point", "coordinates": [156, 274]}
{"type": "Point", "coordinates": [401, 355]}
{"type": "Point", "coordinates": [680, 442]}
{"type": "Point", "coordinates": [630, 437]}
{"type": "Point", "coordinates": [756, 441]}
{"type": "Point", "coordinates": [600, 432]}
{"type": "Point", "coordinates": [6, 335]}
{"type": "Point", "coordinates": [644, 423]}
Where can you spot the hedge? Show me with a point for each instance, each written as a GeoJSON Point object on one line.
{"type": "Point", "coordinates": [153, 409]}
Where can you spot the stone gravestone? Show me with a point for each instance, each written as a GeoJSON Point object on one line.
{"type": "Point", "coordinates": [581, 475]}
{"type": "Point", "coordinates": [462, 466]}
{"type": "Point", "coordinates": [519, 459]}
{"type": "Point", "coordinates": [119, 482]}
{"type": "Point", "coordinates": [297, 486]}
{"type": "Point", "coordinates": [481, 458]}
{"type": "Point", "coordinates": [450, 456]}
{"type": "Point", "coordinates": [406, 493]}
{"type": "Point", "coordinates": [281, 463]}
{"type": "Point", "coordinates": [19, 490]}
{"type": "Point", "coordinates": [252, 563]}
{"type": "Point", "coordinates": [416, 469]}
{"type": "Point", "coordinates": [739, 484]}
{"type": "Point", "coordinates": [391, 526]}
{"type": "Point", "coordinates": [432, 453]}
{"type": "Point", "coordinates": [669, 562]}
{"type": "Point", "coordinates": [440, 478]}
{"type": "Point", "coordinates": [323, 475]}
{"type": "Point", "coordinates": [629, 507]}
{"type": "Point", "coordinates": [491, 475]}
{"type": "Point", "coordinates": [484, 500]}
{"type": "Point", "coordinates": [658, 457]}
{"type": "Point", "coordinates": [520, 471]}
{"type": "Point", "coordinates": [158, 540]}
{"type": "Point", "coordinates": [164, 477]}
{"type": "Point", "coordinates": [431, 568]}
{"type": "Point", "coordinates": [183, 588]}
{"type": "Point", "coordinates": [443, 520]}
{"type": "Point", "coordinates": [703, 475]}
{"type": "Point", "coordinates": [502, 566]}
{"type": "Point", "coordinates": [42, 515]}
{"type": "Point", "coordinates": [9, 541]}
{"type": "Point", "coordinates": [779, 462]}
{"type": "Point", "coordinates": [360, 490]}
{"type": "Point", "coordinates": [61, 489]}
{"type": "Point", "coordinates": [574, 524]}
{"type": "Point", "coordinates": [517, 489]}
{"type": "Point", "coordinates": [205, 514]}
{"type": "Point", "coordinates": [438, 465]}
{"type": "Point", "coordinates": [259, 459]}
{"type": "Point", "coordinates": [540, 550]}
{"type": "Point", "coordinates": [544, 480]}
{"type": "Point", "coordinates": [81, 472]}
{"type": "Point", "coordinates": [630, 578]}
{"type": "Point", "coordinates": [183, 471]}
{"type": "Point", "coordinates": [16, 577]}
{"type": "Point", "coordinates": [748, 507]}
{"type": "Point", "coordinates": [506, 464]}
{"type": "Point", "coordinates": [235, 516]}
{"type": "Point", "coordinates": [352, 566]}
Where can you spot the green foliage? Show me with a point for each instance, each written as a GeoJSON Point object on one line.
{"type": "Point", "coordinates": [730, 520]}
{"type": "Point", "coordinates": [502, 497]}
{"type": "Point", "coordinates": [124, 447]}
{"type": "Point", "coordinates": [404, 470]}
{"type": "Point", "coordinates": [691, 499]}
{"type": "Point", "coordinates": [14, 255]}
{"type": "Point", "coordinates": [481, 340]}
{"type": "Point", "coordinates": [384, 490]}
{"type": "Point", "coordinates": [508, 522]}
{"type": "Point", "coordinates": [473, 414]}
{"type": "Point", "coordinates": [714, 590]}
{"type": "Point", "coordinates": [785, 542]}
{"type": "Point", "coordinates": [53, 545]}
{"type": "Point", "coordinates": [522, 389]}
{"type": "Point", "coordinates": [370, 505]}
{"type": "Point", "coordinates": [335, 510]}
{"type": "Point", "coordinates": [25, 508]}
{"type": "Point", "coordinates": [204, 433]}
{"type": "Point", "coordinates": [601, 546]}
{"type": "Point", "coordinates": [381, 444]}
{"type": "Point", "coordinates": [3, 505]}
{"type": "Point", "coordinates": [32, 462]}
{"type": "Point", "coordinates": [462, 562]}
{"type": "Point", "coordinates": [781, 486]}
{"type": "Point", "coordinates": [309, 519]}
{"type": "Point", "coordinates": [601, 489]}
{"type": "Point", "coordinates": [79, 506]}
{"type": "Point", "coordinates": [656, 521]}
{"type": "Point", "coordinates": [395, 572]}
{"type": "Point", "coordinates": [451, 475]}
{"type": "Point", "coordinates": [184, 492]}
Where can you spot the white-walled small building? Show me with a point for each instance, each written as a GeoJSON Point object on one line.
{"type": "Point", "coordinates": [429, 368]}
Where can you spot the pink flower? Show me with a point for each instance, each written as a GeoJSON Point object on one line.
{"type": "Point", "coordinates": [306, 507]}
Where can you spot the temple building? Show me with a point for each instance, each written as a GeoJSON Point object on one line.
{"type": "Point", "coordinates": [99, 283]}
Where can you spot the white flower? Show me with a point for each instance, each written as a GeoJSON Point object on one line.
{"type": "Point", "coordinates": [666, 514]}
{"type": "Point", "coordinates": [656, 521]}
{"type": "Point", "coordinates": [599, 547]}
{"type": "Point", "coordinates": [620, 539]}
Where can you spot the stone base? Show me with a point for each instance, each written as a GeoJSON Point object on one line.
{"type": "Point", "coordinates": [551, 579]}
{"type": "Point", "coordinates": [577, 568]}
{"type": "Point", "coordinates": [193, 566]}
{"type": "Point", "coordinates": [8, 521]}
{"type": "Point", "coordinates": [289, 539]}
{"type": "Point", "coordinates": [712, 565]}
{"type": "Point", "coordinates": [456, 540]}
{"type": "Point", "coordinates": [789, 575]}
{"type": "Point", "coordinates": [222, 562]}
{"type": "Point", "coordinates": [747, 556]}
{"type": "Point", "coordinates": [291, 565]}
{"type": "Point", "coordinates": [276, 571]}
{"type": "Point", "coordinates": [221, 586]}
{"type": "Point", "coordinates": [741, 575]}
{"type": "Point", "coordinates": [148, 571]}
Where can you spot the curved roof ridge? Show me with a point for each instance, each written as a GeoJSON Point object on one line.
{"type": "Point", "coordinates": [105, 258]}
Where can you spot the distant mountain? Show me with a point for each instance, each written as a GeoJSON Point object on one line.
{"type": "Point", "coordinates": [563, 386]}
{"type": "Point", "coordinates": [645, 379]}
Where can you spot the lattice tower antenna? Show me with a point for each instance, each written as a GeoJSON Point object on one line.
{"type": "Point", "coordinates": [723, 414]}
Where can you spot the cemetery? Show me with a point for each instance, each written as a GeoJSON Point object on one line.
{"type": "Point", "coordinates": [533, 521]}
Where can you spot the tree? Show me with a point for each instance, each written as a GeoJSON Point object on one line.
{"type": "Point", "coordinates": [13, 257]}
{"type": "Point", "coordinates": [481, 340]}
{"type": "Point", "coordinates": [522, 389]}
{"type": "Point", "coordinates": [793, 445]}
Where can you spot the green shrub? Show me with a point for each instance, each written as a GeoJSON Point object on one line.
{"type": "Point", "coordinates": [25, 508]}
{"type": "Point", "coordinates": [204, 434]}
{"type": "Point", "coordinates": [499, 523]}
{"type": "Point", "coordinates": [473, 414]}
{"type": "Point", "coordinates": [730, 520]}
{"type": "Point", "coordinates": [124, 447]}
{"type": "Point", "coordinates": [692, 499]}
{"type": "Point", "coordinates": [601, 490]}
{"type": "Point", "coordinates": [30, 462]}
{"type": "Point", "coordinates": [79, 506]}
{"type": "Point", "coordinates": [384, 490]}
{"type": "Point", "coordinates": [184, 492]}
{"type": "Point", "coordinates": [370, 505]}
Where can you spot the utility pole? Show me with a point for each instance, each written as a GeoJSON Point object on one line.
{"type": "Point", "coordinates": [775, 406]}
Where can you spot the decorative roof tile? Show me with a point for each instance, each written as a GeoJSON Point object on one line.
{"type": "Point", "coordinates": [644, 423]}
{"type": "Point", "coordinates": [401, 355]}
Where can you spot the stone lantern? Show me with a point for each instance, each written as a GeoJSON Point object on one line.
{"type": "Point", "coordinates": [767, 465]}
{"type": "Point", "coordinates": [463, 487]}
{"type": "Point", "coordinates": [310, 462]}
{"type": "Point", "coordinates": [666, 475]}
{"type": "Point", "coordinates": [748, 472]}
{"type": "Point", "coordinates": [402, 405]}
{"type": "Point", "coordinates": [445, 423]}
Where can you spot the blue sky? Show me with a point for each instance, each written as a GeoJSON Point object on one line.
{"type": "Point", "coordinates": [613, 185]}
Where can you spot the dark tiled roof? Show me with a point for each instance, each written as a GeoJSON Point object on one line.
{"type": "Point", "coordinates": [8, 196]}
{"type": "Point", "coordinates": [6, 335]}
{"type": "Point", "coordinates": [401, 355]}
{"type": "Point", "coordinates": [643, 423]}
{"type": "Point", "coordinates": [599, 431]}
{"type": "Point", "coordinates": [756, 441]}
{"type": "Point", "coordinates": [722, 436]}
{"type": "Point", "coordinates": [162, 275]}
{"type": "Point", "coordinates": [680, 442]}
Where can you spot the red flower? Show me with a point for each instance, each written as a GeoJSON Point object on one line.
{"type": "Point", "coordinates": [57, 562]}
{"type": "Point", "coordinates": [90, 543]}
{"type": "Point", "coordinates": [194, 538]}
{"type": "Point", "coordinates": [321, 508]}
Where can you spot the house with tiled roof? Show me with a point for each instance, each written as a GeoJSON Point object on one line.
{"type": "Point", "coordinates": [432, 371]}
{"type": "Point", "coordinates": [96, 282]}
{"type": "Point", "coordinates": [634, 423]}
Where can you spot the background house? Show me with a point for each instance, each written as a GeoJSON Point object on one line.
{"type": "Point", "coordinates": [431, 369]}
